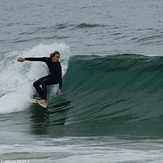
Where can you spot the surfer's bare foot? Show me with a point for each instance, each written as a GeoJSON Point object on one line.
{"type": "Point", "coordinates": [42, 101]}
{"type": "Point", "coordinates": [38, 98]}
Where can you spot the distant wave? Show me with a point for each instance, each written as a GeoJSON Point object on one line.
{"type": "Point", "coordinates": [88, 25]}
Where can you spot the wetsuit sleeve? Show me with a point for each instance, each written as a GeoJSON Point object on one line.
{"type": "Point", "coordinates": [60, 75]}
{"type": "Point", "coordinates": [43, 59]}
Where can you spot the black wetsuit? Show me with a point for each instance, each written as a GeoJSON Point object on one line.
{"type": "Point", "coordinates": [54, 77]}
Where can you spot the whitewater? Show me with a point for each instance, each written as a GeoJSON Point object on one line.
{"type": "Point", "coordinates": [112, 68]}
{"type": "Point", "coordinates": [17, 79]}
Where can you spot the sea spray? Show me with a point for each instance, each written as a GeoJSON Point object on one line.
{"type": "Point", "coordinates": [17, 78]}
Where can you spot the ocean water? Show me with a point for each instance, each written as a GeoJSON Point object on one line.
{"type": "Point", "coordinates": [111, 110]}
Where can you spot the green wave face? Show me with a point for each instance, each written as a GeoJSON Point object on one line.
{"type": "Point", "coordinates": [121, 94]}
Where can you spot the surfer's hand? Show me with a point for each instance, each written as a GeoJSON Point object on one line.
{"type": "Point", "coordinates": [60, 91]}
{"type": "Point", "coordinates": [21, 59]}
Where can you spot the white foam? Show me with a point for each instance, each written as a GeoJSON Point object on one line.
{"type": "Point", "coordinates": [16, 78]}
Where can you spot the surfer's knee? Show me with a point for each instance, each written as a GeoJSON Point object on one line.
{"type": "Point", "coordinates": [43, 83]}
{"type": "Point", "coordinates": [35, 84]}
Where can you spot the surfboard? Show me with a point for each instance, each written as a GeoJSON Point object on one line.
{"type": "Point", "coordinates": [38, 102]}
{"type": "Point", "coordinates": [35, 101]}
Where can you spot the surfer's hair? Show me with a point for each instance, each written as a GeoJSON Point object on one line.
{"type": "Point", "coordinates": [54, 53]}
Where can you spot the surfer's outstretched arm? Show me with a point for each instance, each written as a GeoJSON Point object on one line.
{"type": "Point", "coordinates": [43, 59]}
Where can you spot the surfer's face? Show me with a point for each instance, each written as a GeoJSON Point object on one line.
{"type": "Point", "coordinates": [55, 58]}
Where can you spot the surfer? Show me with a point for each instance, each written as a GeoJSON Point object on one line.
{"type": "Point", "coordinates": [54, 77]}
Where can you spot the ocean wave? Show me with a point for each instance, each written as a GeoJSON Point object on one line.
{"type": "Point", "coordinates": [113, 90]}
{"type": "Point", "coordinates": [101, 94]}
{"type": "Point", "coordinates": [88, 25]}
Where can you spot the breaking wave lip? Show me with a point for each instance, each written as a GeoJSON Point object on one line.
{"type": "Point", "coordinates": [17, 78]}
